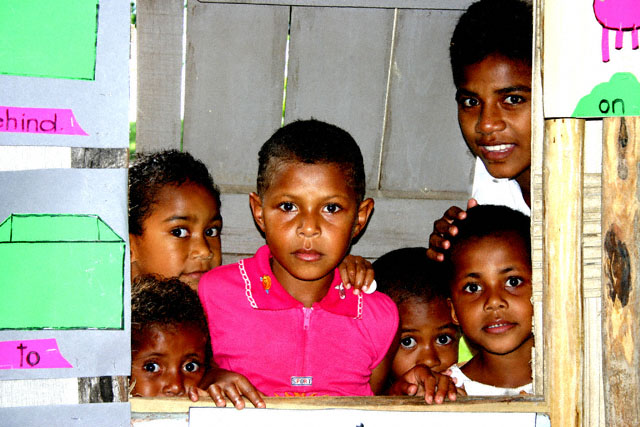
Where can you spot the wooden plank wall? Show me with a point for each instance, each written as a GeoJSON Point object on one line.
{"type": "Point", "coordinates": [381, 73]}
{"type": "Point", "coordinates": [393, 86]}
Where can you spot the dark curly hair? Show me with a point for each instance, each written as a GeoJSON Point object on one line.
{"type": "Point", "coordinates": [149, 173]}
{"type": "Point", "coordinates": [489, 220]}
{"type": "Point", "coordinates": [166, 303]}
{"type": "Point", "coordinates": [503, 27]}
{"type": "Point", "coordinates": [408, 274]}
{"type": "Point", "coordinates": [312, 142]}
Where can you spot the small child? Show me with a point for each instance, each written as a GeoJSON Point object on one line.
{"type": "Point", "coordinates": [169, 338]}
{"type": "Point", "coordinates": [174, 217]}
{"type": "Point", "coordinates": [490, 283]}
{"type": "Point", "coordinates": [416, 284]}
{"type": "Point", "coordinates": [282, 319]}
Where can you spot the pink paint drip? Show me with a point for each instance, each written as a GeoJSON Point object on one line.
{"type": "Point", "coordinates": [56, 121]}
{"type": "Point", "coordinates": [31, 354]}
{"type": "Point", "coordinates": [618, 16]}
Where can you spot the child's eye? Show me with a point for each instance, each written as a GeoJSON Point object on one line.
{"type": "Point", "coordinates": [151, 367]}
{"type": "Point", "coordinates": [180, 232]}
{"type": "Point", "coordinates": [212, 232]}
{"type": "Point", "coordinates": [514, 99]}
{"type": "Point", "coordinates": [468, 102]}
{"type": "Point", "coordinates": [472, 288]}
{"type": "Point", "coordinates": [332, 208]}
{"type": "Point", "coordinates": [408, 342]}
{"type": "Point", "coordinates": [191, 366]}
{"type": "Point", "coordinates": [514, 282]}
{"type": "Point", "coordinates": [287, 207]}
{"type": "Point", "coordinates": [444, 339]}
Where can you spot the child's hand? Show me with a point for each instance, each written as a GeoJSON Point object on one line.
{"type": "Point", "coordinates": [357, 272]}
{"type": "Point", "coordinates": [220, 383]}
{"type": "Point", "coordinates": [443, 230]}
{"type": "Point", "coordinates": [421, 381]}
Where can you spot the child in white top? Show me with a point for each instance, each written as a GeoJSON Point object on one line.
{"type": "Point", "coordinates": [490, 283]}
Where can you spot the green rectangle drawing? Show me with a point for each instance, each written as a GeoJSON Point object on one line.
{"type": "Point", "coordinates": [60, 272]}
{"type": "Point", "coordinates": [45, 38]}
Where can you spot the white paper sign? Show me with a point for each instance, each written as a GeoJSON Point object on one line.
{"type": "Point", "coordinates": [585, 60]}
{"type": "Point", "coordinates": [250, 417]}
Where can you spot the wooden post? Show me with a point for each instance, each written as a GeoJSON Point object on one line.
{"type": "Point", "coordinates": [563, 344]}
{"type": "Point", "coordinates": [159, 50]}
{"type": "Point", "coordinates": [620, 313]}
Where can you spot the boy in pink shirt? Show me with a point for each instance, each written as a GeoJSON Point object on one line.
{"type": "Point", "coordinates": [282, 319]}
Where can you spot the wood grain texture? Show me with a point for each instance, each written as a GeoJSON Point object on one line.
{"type": "Point", "coordinates": [404, 4]}
{"type": "Point", "coordinates": [537, 143]}
{"type": "Point", "coordinates": [158, 122]}
{"type": "Point", "coordinates": [563, 343]}
{"type": "Point", "coordinates": [385, 403]}
{"type": "Point", "coordinates": [234, 85]}
{"type": "Point", "coordinates": [620, 311]}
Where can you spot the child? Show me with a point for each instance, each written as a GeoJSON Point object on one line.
{"type": "Point", "coordinates": [490, 266]}
{"type": "Point", "coordinates": [428, 335]}
{"type": "Point", "coordinates": [175, 221]}
{"type": "Point", "coordinates": [491, 63]}
{"type": "Point", "coordinates": [174, 217]}
{"type": "Point", "coordinates": [169, 338]}
{"type": "Point", "coordinates": [282, 318]}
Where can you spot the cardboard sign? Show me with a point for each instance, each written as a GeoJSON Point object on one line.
{"type": "Point", "coordinates": [60, 272]}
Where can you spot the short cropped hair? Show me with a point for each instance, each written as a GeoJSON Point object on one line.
{"type": "Point", "coordinates": [149, 173]}
{"type": "Point", "coordinates": [312, 142]}
{"type": "Point", "coordinates": [488, 221]}
{"type": "Point", "coordinates": [408, 274]}
{"type": "Point", "coordinates": [165, 303]}
{"type": "Point", "coordinates": [503, 27]}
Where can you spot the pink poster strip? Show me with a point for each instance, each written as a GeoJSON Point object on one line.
{"type": "Point", "coordinates": [56, 121]}
{"type": "Point", "coordinates": [31, 354]}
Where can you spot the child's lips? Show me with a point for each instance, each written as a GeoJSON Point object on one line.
{"type": "Point", "coordinates": [194, 275]}
{"type": "Point", "coordinates": [497, 151]}
{"type": "Point", "coordinates": [308, 255]}
{"type": "Point", "coordinates": [498, 327]}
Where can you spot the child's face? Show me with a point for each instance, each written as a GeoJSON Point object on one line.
{"type": "Point", "coordinates": [494, 113]}
{"type": "Point", "coordinates": [168, 361]}
{"type": "Point", "coordinates": [309, 215]}
{"type": "Point", "coordinates": [491, 292]}
{"type": "Point", "coordinates": [428, 336]}
{"type": "Point", "coordinates": [181, 237]}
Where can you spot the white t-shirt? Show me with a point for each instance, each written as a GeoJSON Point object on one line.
{"type": "Point", "coordinates": [474, 388]}
{"type": "Point", "coordinates": [488, 190]}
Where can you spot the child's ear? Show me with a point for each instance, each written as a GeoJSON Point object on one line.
{"type": "Point", "coordinates": [364, 212]}
{"type": "Point", "coordinates": [453, 312]}
{"type": "Point", "coordinates": [133, 247]}
{"type": "Point", "coordinates": [256, 209]}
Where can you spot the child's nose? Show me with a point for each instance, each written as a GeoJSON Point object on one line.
{"type": "Point", "coordinates": [174, 384]}
{"type": "Point", "coordinates": [308, 226]}
{"type": "Point", "coordinates": [200, 248]}
{"type": "Point", "coordinates": [429, 356]}
{"type": "Point", "coordinates": [490, 120]}
{"type": "Point", "coordinates": [495, 300]}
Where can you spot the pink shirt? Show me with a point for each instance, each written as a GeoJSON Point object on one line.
{"type": "Point", "coordinates": [260, 331]}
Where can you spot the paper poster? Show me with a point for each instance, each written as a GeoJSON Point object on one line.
{"type": "Point", "coordinates": [591, 61]}
{"type": "Point", "coordinates": [55, 268]}
{"type": "Point", "coordinates": [56, 121]}
{"type": "Point", "coordinates": [47, 38]}
{"type": "Point", "coordinates": [31, 354]}
{"type": "Point", "coordinates": [64, 73]}
{"type": "Point", "coordinates": [250, 417]}
{"type": "Point", "coordinates": [94, 415]}
{"type": "Point", "coordinates": [64, 274]}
